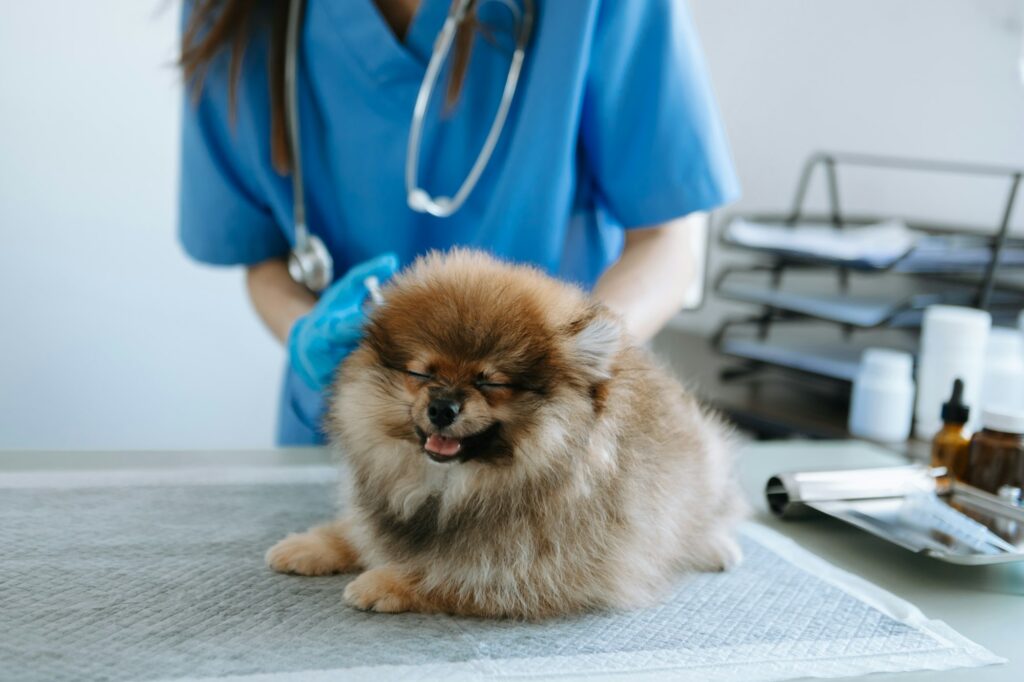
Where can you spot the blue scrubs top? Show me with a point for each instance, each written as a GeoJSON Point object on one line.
{"type": "Point", "coordinates": [614, 125]}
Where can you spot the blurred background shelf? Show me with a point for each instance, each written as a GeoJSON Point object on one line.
{"type": "Point", "coordinates": [864, 301]}
{"type": "Point", "coordinates": [804, 345]}
{"type": "Point", "coordinates": [870, 244]}
{"type": "Point", "coordinates": [768, 404]}
{"type": "Point", "coordinates": [827, 286]}
{"type": "Point", "coordinates": [823, 359]}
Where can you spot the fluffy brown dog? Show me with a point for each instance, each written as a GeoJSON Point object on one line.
{"type": "Point", "coordinates": [513, 455]}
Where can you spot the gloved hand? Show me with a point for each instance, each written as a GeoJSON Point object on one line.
{"type": "Point", "coordinates": [323, 337]}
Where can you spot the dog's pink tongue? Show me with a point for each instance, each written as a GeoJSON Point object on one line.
{"type": "Point", "coordinates": [442, 445]}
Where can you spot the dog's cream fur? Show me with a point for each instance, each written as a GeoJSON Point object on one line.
{"type": "Point", "coordinates": [604, 481]}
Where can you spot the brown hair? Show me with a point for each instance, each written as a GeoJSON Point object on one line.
{"type": "Point", "coordinates": [215, 25]}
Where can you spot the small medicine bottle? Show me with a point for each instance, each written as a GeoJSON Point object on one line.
{"type": "Point", "coordinates": [996, 456]}
{"type": "Point", "coordinates": [949, 446]}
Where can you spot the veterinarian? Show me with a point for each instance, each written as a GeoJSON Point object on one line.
{"type": "Point", "coordinates": [611, 152]}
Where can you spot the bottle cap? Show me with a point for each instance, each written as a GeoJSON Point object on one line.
{"type": "Point", "coordinates": [1005, 421]}
{"type": "Point", "coordinates": [887, 364]}
{"type": "Point", "coordinates": [1005, 346]}
{"type": "Point", "coordinates": [954, 329]}
{"type": "Point", "coordinates": [954, 411]}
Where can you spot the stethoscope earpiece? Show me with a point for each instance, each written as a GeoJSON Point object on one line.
{"type": "Point", "coordinates": [418, 200]}
{"type": "Point", "coordinates": [421, 202]}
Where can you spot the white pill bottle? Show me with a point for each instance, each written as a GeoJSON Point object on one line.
{"type": "Point", "coordinates": [953, 343]}
{"type": "Point", "coordinates": [882, 401]}
{"type": "Point", "coordinates": [1002, 390]}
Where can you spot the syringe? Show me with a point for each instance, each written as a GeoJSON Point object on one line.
{"type": "Point", "coordinates": [372, 284]}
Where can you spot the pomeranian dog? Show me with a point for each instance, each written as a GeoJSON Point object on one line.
{"type": "Point", "coordinates": [512, 454]}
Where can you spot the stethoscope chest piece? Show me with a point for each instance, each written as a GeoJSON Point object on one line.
{"type": "Point", "coordinates": [310, 264]}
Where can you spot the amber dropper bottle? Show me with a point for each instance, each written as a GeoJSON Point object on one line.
{"type": "Point", "coordinates": [949, 447]}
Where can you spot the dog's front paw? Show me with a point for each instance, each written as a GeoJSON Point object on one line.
{"type": "Point", "coordinates": [383, 589]}
{"type": "Point", "coordinates": [727, 552]}
{"type": "Point", "coordinates": [719, 552]}
{"type": "Point", "coordinates": [319, 551]}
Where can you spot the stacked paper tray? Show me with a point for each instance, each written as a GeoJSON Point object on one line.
{"type": "Point", "coordinates": [824, 359]}
{"type": "Point", "coordinates": [883, 245]}
{"type": "Point", "coordinates": [811, 347]}
{"type": "Point", "coordinates": [865, 302]}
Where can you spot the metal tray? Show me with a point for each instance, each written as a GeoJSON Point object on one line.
{"type": "Point", "coordinates": [916, 507]}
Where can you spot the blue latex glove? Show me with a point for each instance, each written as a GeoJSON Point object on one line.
{"type": "Point", "coordinates": [322, 338]}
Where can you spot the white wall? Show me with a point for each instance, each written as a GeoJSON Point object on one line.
{"type": "Point", "coordinates": [110, 338]}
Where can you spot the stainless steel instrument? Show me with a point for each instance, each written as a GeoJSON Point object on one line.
{"type": "Point", "coordinates": [916, 507]}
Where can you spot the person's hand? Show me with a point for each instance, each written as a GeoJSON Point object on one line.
{"type": "Point", "coordinates": [322, 338]}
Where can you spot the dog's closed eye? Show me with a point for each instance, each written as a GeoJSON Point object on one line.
{"type": "Point", "coordinates": [496, 381]}
{"type": "Point", "coordinates": [422, 376]}
{"type": "Point", "coordinates": [495, 384]}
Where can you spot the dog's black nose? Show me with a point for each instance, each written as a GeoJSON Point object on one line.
{"type": "Point", "coordinates": [442, 412]}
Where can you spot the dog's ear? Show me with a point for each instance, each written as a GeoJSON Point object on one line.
{"type": "Point", "coordinates": [594, 341]}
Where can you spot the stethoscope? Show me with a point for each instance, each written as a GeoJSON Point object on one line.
{"type": "Point", "coordinates": [310, 263]}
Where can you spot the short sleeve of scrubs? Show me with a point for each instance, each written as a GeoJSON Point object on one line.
{"type": "Point", "coordinates": [650, 127]}
{"type": "Point", "coordinates": [221, 220]}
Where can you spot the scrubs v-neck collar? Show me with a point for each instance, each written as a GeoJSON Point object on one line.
{"type": "Point", "coordinates": [374, 45]}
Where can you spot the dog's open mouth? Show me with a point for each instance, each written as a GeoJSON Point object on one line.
{"type": "Point", "coordinates": [441, 448]}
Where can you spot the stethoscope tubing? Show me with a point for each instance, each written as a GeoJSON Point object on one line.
{"type": "Point", "coordinates": [310, 263]}
{"type": "Point", "coordinates": [291, 66]}
{"type": "Point", "coordinates": [418, 198]}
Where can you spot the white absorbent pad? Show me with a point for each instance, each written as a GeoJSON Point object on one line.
{"type": "Point", "coordinates": [160, 576]}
